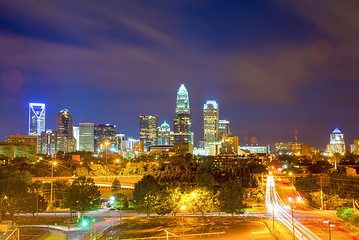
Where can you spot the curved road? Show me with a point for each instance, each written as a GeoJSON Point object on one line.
{"type": "Point", "coordinates": [309, 223]}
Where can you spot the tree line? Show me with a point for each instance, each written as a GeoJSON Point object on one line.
{"type": "Point", "coordinates": [19, 194]}
{"type": "Point", "coordinates": [151, 197]}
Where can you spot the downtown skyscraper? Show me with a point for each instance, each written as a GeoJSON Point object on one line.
{"type": "Point", "coordinates": [164, 134]}
{"type": "Point", "coordinates": [86, 137]}
{"type": "Point", "coordinates": [64, 124]}
{"type": "Point", "coordinates": [65, 129]}
{"type": "Point", "coordinates": [105, 133]}
{"type": "Point", "coordinates": [211, 121]}
{"type": "Point", "coordinates": [182, 118]}
{"type": "Point", "coordinates": [149, 129]}
{"type": "Point", "coordinates": [337, 143]}
{"type": "Point", "coordinates": [36, 119]}
{"type": "Point", "coordinates": [224, 128]}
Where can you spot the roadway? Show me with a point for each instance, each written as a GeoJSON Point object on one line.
{"type": "Point", "coordinates": [309, 223]}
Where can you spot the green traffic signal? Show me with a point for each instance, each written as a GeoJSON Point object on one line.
{"type": "Point", "coordinates": [84, 222]}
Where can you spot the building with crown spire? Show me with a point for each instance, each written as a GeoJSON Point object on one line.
{"type": "Point", "coordinates": [211, 121]}
{"type": "Point", "coordinates": [164, 134]}
{"type": "Point", "coordinates": [182, 118]}
{"type": "Point", "coordinates": [336, 142]}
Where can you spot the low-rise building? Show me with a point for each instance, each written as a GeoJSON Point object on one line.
{"type": "Point", "coordinates": [15, 150]}
{"type": "Point", "coordinates": [256, 148]}
{"type": "Point", "coordinates": [292, 148]}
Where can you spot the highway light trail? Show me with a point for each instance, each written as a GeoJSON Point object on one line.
{"type": "Point", "coordinates": [282, 213]}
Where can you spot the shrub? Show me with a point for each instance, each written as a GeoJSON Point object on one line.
{"type": "Point", "coordinates": [345, 213]}
{"type": "Point", "coordinates": [354, 220]}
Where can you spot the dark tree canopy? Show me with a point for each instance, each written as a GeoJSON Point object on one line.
{"type": "Point", "coordinates": [231, 197]}
{"type": "Point", "coordinates": [145, 194]}
{"type": "Point", "coordinates": [83, 195]}
{"type": "Point", "coordinates": [116, 185]}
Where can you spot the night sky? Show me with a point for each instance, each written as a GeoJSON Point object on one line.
{"type": "Point", "coordinates": [273, 66]}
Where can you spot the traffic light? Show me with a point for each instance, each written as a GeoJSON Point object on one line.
{"type": "Point", "coordinates": [84, 222]}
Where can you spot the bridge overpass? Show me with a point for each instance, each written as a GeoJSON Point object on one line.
{"type": "Point", "coordinates": [127, 182]}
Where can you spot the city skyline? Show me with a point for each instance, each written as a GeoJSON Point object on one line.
{"type": "Point", "coordinates": [268, 79]}
{"type": "Point", "coordinates": [182, 90]}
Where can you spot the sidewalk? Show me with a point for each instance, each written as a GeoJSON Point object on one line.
{"type": "Point", "coordinates": [280, 231]}
{"type": "Point", "coordinates": [55, 235]}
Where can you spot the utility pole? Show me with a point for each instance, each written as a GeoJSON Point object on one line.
{"type": "Point", "coordinates": [353, 206]}
{"type": "Point", "coordinates": [68, 230]}
{"type": "Point", "coordinates": [272, 194]}
{"type": "Point", "coordinates": [91, 229]}
{"type": "Point", "coordinates": [52, 182]}
{"type": "Point", "coordinates": [106, 144]}
{"type": "Point", "coordinates": [53, 163]}
{"type": "Point", "coordinates": [321, 193]}
{"type": "Point", "coordinates": [37, 204]}
{"type": "Point", "coordinates": [330, 233]}
{"type": "Point", "coordinates": [293, 221]}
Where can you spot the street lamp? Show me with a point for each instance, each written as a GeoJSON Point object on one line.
{"type": "Point", "coordinates": [293, 177]}
{"type": "Point", "coordinates": [52, 180]}
{"type": "Point", "coordinates": [117, 166]}
{"type": "Point", "coordinates": [292, 200]}
{"type": "Point", "coordinates": [329, 225]}
{"type": "Point", "coordinates": [106, 146]}
{"type": "Point", "coordinates": [182, 209]}
{"type": "Point", "coordinates": [272, 193]}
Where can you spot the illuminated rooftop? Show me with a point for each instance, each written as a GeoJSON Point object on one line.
{"type": "Point", "coordinates": [210, 102]}
{"type": "Point", "coordinates": [337, 130]}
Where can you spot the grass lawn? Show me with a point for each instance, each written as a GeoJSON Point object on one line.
{"type": "Point", "coordinates": [156, 226]}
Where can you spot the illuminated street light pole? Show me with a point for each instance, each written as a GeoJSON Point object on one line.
{"type": "Point", "coordinates": [293, 177]}
{"type": "Point", "coordinates": [272, 192]}
{"type": "Point", "coordinates": [106, 145]}
{"type": "Point", "coordinates": [330, 234]}
{"type": "Point", "coordinates": [182, 209]}
{"type": "Point", "coordinates": [290, 199]}
{"type": "Point", "coordinates": [52, 180]}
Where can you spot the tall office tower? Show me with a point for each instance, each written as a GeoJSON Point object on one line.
{"type": "Point", "coordinates": [120, 141]}
{"type": "Point", "coordinates": [36, 119]}
{"type": "Point", "coordinates": [164, 134]}
{"type": "Point", "coordinates": [148, 129]}
{"type": "Point", "coordinates": [50, 142]}
{"type": "Point", "coordinates": [223, 128]}
{"type": "Point", "coordinates": [64, 127]}
{"type": "Point", "coordinates": [64, 123]}
{"type": "Point", "coordinates": [182, 118]}
{"type": "Point", "coordinates": [144, 127]}
{"type": "Point", "coordinates": [86, 137]}
{"type": "Point", "coordinates": [105, 133]}
{"type": "Point", "coordinates": [210, 121]}
{"type": "Point", "coordinates": [153, 130]}
{"type": "Point", "coordinates": [76, 132]}
{"type": "Point", "coordinates": [336, 144]}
